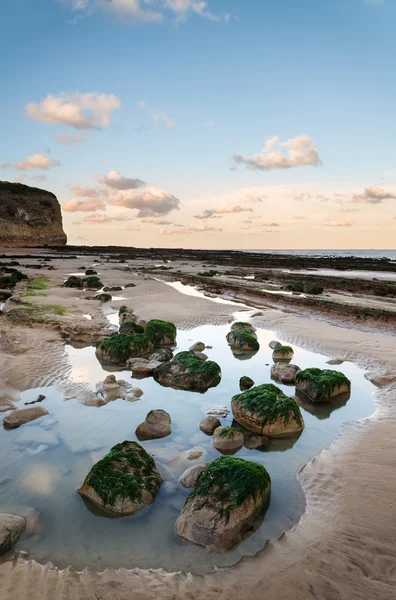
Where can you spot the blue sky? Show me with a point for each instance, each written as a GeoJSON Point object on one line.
{"type": "Point", "coordinates": [169, 91]}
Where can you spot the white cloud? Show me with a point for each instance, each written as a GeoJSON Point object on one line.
{"type": "Point", "coordinates": [254, 199]}
{"type": "Point", "coordinates": [116, 181]}
{"type": "Point", "coordinates": [157, 114]}
{"type": "Point", "coordinates": [294, 152]}
{"type": "Point", "coordinates": [87, 191]}
{"type": "Point", "coordinates": [36, 161]}
{"type": "Point", "coordinates": [131, 11]}
{"type": "Point", "coordinates": [71, 139]}
{"type": "Point", "coordinates": [84, 205]}
{"type": "Point", "coordinates": [189, 230]}
{"type": "Point", "coordinates": [103, 218]}
{"type": "Point", "coordinates": [338, 223]}
{"type": "Point", "coordinates": [158, 222]}
{"type": "Point", "coordinates": [373, 195]}
{"type": "Point", "coordinates": [221, 210]}
{"type": "Point", "coordinates": [81, 111]}
{"type": "Point", "coordinates": [256, 225]}
{"type": "Point", "coordinates": [149, 201]}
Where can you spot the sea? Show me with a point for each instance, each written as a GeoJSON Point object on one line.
{"type": "Point", "coordinates": [389, 254]}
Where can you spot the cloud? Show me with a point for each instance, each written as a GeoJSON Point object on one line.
{"type": "Point", "coordinates": [253, 199]}
{"type": "Point", "coordinates": [156, 222]}
{"type": "Point", "coordinates": [221, 210]}
{"type": "Point", "coordinates": [373, 195]}
{"type": "Point", "coordinates": [189, 230]}
{"type": "Point", "coordinates": [36, 161]}
{"type": "Point", "coordinates": [87, 191]}
{"type": "Point", "coordinates": [294, 152]}
{"type": "Point", "coordinates": [157, 115]}
{"type": "Point", "coordinates": [298, 218]}
{"type": "Point", "coordinates": [103, 218]}
{"type": "Point", "coordinates": [181, 8]}
{"type": "Point", "coordinates": [149, 201]}
{"type": "Point", "coordinates": [81, 111]}
{"type": "Point", "coordinates": [209, 124]}
{"type": "Point", "coordinates": [116, 181]}
{"type": "Point", "coordinates": [253, 225]}
{"type": "Point", "coordinates": [84, 205]}
{"type": "Point", "coordinates": [71, 139]}
{"type": "Point", "coordinates": [338, 223]}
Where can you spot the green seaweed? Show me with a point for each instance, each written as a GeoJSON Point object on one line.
{"type": "Point", "coordinates": [243, 338]}
{"type": "Point", "coordinates": [242, 326]}
{"type": "Point", "coordinates": [130, 327]}
{"type": "Point", "coordinates": [229, 432]}
{"type": "Point", "coordinates": [324, 380]}
{"type": "Point", "coordinates": [283, 350]}
{"type": "Point", "coordinates": [269, 403]}
{"type": "Point", "coordinates": [227, 482]}
{"type": "Point", "coordinates": [120, 347]}
{"type": "Point", "coordinates": [194, 365]}
{"type": "Point", "coordinates": [157, 331]}
{"type": "Point", "coordinates": [124, 473]}
{"type": "Point", "coordinates": [39, 283]}
{"type": "Point", "coordinates": [73, 282]}
{"type": "Point", "coordinates": [93, 282]}
{"type": "Point", "coordinates": [123, 309]}
{"type": "Point", "coordinates": [103, 297]}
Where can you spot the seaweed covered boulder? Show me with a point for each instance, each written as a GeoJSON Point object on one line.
{"type": "Point", "coordinates": [266, 410]}
{"type": "Point", "coordinates": [243, 326]}
{"type": "Point", "coordinates": [92, 282]}
{"type": "Point", "coordinates": [229, 496]}
{"type": "Point", "coordinates": [284, 372]}
{"type": "Point", "coordinates": [126, 314]}
{"type": "Point", "coordinates": [161, 333]}
{"type": "Point", "coordinates": [227, 440]}
{"type": "Point", "coordinates": [104, 297]}
{"type": "Point", "coordinates": [242, 341]}
{"type": "Point", "coordinates": [282, 353]}
{"type": "Point", "coordinates": [130, 327]}
{"type": "Point", "coordinates": [245, 383]}
{"type": "Point", "coordinates": [74, 282]}
{"type": "Point", "coordinates": [321, 385]}
{"type": "Point", "coordinates": [187, 372]}
{"type": "Point", "coordinates": [117, 349]}
{"type": "Point", "coordinates": [124, 481]}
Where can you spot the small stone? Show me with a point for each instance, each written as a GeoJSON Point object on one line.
{"type": "Point", "coordinates": [24, 415]}
{"type": "Point", "coordinates": [156, 425]}
{"type": "Point", "coordinates": [11, 527]}
{"type": "Point", "coordinates": [197, 347]}
{"type": "Point", "coordinates": [245, 383]}
{"type": "Point", "coordinates": [218, 409]}
{"type": "Point", "coordinates": [190, 476]}
{"type": "Point", "coordinates": [335, 361]}
{"type": "Point", "coordinates": [274, 344]}
{"type": "Point", "coordinates": [201, 355]}
{"type": "Point", "coordinates": [209, 424]}
{"type": "Point", "coordinates": [285, 373]}
{"type": "Point", "coordinates": [194, 453]}
{"type": "Point", "coordinates": [228, 439]}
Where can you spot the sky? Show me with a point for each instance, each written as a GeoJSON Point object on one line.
{"type": "Point", "coordinates": [246, 124]}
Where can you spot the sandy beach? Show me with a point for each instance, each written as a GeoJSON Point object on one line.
{"type": "Point", "coordinates": [342, 548]}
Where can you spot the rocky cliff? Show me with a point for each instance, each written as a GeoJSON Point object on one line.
{"type": "Point", "coordinates": [29, 216]}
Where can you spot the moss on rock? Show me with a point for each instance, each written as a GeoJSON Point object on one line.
{"type": "Point", "coordinates": [93, 283]}
{"type": "Point", "coordinates": [130, 327]}
{"type": "Point", "coordinates": [117, 349]}
{"type": "Point", "coordinates": [161, 333]}
{"type": "Point", "coordinates": [104, 297]}
{"type": "Point", "coordinates": [242, 340]}
{"type": "Point", "coordinates": [320, 385]}
{"type": "Point", "coordinates": [74, 282]}
{"type": "Point", "coordinates": [186, 371]}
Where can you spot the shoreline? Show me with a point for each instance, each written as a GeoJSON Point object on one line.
{"type": "Point", "coordinates": [341, 567]}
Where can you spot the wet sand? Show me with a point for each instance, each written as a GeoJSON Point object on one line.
{"type": "Point", "coordinates": [343, 547]}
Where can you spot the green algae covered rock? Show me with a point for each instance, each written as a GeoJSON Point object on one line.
{"type": "Point", "coordinates": [92, 282]}
{"type": "Point", "coordinates": [130, 327]}
{"type": "Point", "coordinates": [321, 385]}
{"type": "Point", "coordinates": [229, 495]}
{"type": "Point", "coordinates": [242, 340]}
{"type": "Point", "coordinates": [281, 353]}
{"type": "Point", "coordinates": [103, 297]}
{"type": "Point", "coordinates": [227, 440]}
{"type": "Point", "coordinates": [245, 383]}
{"type": "Point", "coordinates": [243, 326]}
{"type": "Point", "coordinates": [187, 372]}
{"type": "Point", "coordinates": [124, 481]}
{"type": "Point", "coordinates": [74, 282]}
{"type": "Point", "coordinates": [266, 410]}
{"type": "Point", "coordinates": [161, 333]}
{"type": "Point", "coordinates": [117, 349]}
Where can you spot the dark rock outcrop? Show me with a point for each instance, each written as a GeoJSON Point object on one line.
{"type": "Point", "coordinates": [29, 216]}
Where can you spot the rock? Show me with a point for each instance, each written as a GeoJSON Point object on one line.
{"type": "Point", "coordinates": [112, 389]}
{"type": "Point", "coordinates": [93, 283]}
{"type": "Point", "coordinates": [209, 424]}
{"type": "Point", "coordinates": [197, 347]}
{"type": "Point", "coordinates": [29, 216]}
{"type": "Point", "coordinates": [39, 398]}
{"type": "Point", "coordinates": [201, 355]}
{"type": "Point", "coordinates": [117, 349]}
{"type": "Point", "coordinates": [185, 371]}
{"type": "Point", "coordinates": [285, 373]}
{"type": "Point", "coordinates": [282, 353]}
{"type": "Point", "coordinates": [130, 285]}
{"type": "Point", "coordinates": [130, 327]}
{"type": "Point", "coordinates": [126, 314]}
{"type": "Point", "coordinates": [19, 417]}
{"type": "Point", "coordinates": [161, 333]}
{"type": "Point", "coordinates": [11, 527]}
{"type": "Point", "coordinates": [156, 425]}
{"type": "Point", "coordinates": [124, 481]}
{"type": "Point", "coordinates": [218, 409]}
{"type": "Point", "coordinates": [103, 298]}
{"type": "Point", "coordinates": [91, 272]}
{"type": "Point", "coordinates": [243, 341]}
{"type": "Point", "coordinates": [321, 385]}
{"type": "Point", "coordinates": [194, 453]}
{"type": "Point", "coordinates": [266, 410]}
{"type": "Point", "coordinates": [244, 326]}
{"type": "Point", "coordinates": [274, 344]}
{"type": "Point", "coordinates": [190, 476]}
{"type": "Point", "coordinates": [334, 361]}
{"type": "Point", "coordinates": [245, 383]}
{"type": "Point", "coordinates": [228, 440]}
{"type": "Point", "coordinates": [115, 288]}
{"type": "Point", "coordinates": [162, 355]}
{"type": "Point", "coordinates": [74, 282]}
{"type": "Point", "coordinates": [229, 496]}
{"type": "Point", "coordinates": [142, 367]}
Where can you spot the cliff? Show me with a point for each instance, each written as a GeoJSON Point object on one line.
{"type": "Point", "coordinates": [29, 216]}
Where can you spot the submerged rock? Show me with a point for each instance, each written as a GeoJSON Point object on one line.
{"type": "Point", "coordinates": [161, 333]}
{"type": "Point", "coordinates": [142, 367]}
{"type": "Point", "coordinates": [11, 527]}
{"type": "Point", "coordinates": [282, 353]}
{"type": "Point", "coordinates": [245, 383]}
{"type": "Point", "coordinates": [197, 347]}
{"type": "Point", "coordinates": [228, 440]}
{"type": "Point", "coordinates": [285, 373]}
{"type": "Point", "coordinates": [266, 410]}
{"type": "Point", "coordinates": [185, 371]}
{"type": "Point", "coordinates": [156, 425]}
{"type": "Point", "coordinates": [112, 389]}
{"type": "Point", "coordinates": [162, 355]}
{"type": "Point", "coordinates": [321, 385]}
{"type": "Point", "coordinates": [209, 424]}
{"type": "Point", "coordinates": [124, 481]}
{"type": "Point", "coordinates": [229, 495]}
{"type": "Point", "coordinates": [19, 417]}
{"type": "Point", "coordinates": [190, 476]}
{"type": "Point", "coordinates": [243, 341]}
{"type": "Point", "coordinates": [219, 410]}
{"type": "Point", "coordinates": [117, 349]}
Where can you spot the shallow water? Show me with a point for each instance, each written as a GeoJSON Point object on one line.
{"type": "Point", "coordinates": [352, 274]}
{"type": "Point", "coordinates": [45, 461]}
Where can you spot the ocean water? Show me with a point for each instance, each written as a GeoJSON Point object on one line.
{"type": "Point", "coordinates": [390, 254]}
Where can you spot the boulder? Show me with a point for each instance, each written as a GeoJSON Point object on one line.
{"type": "Point", "coordinates": [244, 326]}
{"type": "Point", "coordinates": [117, 349]}
{"type": "Point", "coordinates": [197, 347]}
{"type": "Point", "coordinates": [130, 285]}
{"type": "Point", "coordinates": [156, 425]}
{"type": "Point", "coordinates": [161, 333]}
{"type": "Point", "coordinates": [321, 385]}
{"type": "Point", "coordinates": [19, 417]}
{"type": "Point", "coordinates": [126, 314]}
{"type": "Point", "coordinates": [11, 527]}
{"type": "Point", "coordinates": [228, 440]}
{"type": "Point", "coordinates": [74, 282]}
{"type": "Point", "coordinates": [124, 481]}
{"type": "Point", "coordinates": [185, 371]}
{"type": "Point", "coordinates": [282, 353]}
{"type": "Point", "coordinates": [284, 373]}
{"type": "Point", "coordinates": [162, 355]}
{"type": "Point", "coordinates": [190, 476]}
{"type": "Point", "coordinates": [245, 383]}
{"type": "Point", "coordinates": [209, 424]}
{"type": "Point", "coordinates": [103, 298]}
{"type": "Point", "coordinates": [274, 344]}
{"type": "Point", "coordinates": [266, 410]}
{"type": "Point", "coordinates": [194, 453]}
{"type": "Point", "coordinates": [243, 341]}
{"type": "Point", "coordinates": [112, 389]}
{"type": "Point", "coordinates": [201, 355]}
{"type": "Point", "coordinates": [229, 495]}
{"type": "Point", "coordinates": [142, 367]}
{"type": "Point", "coordinates": [130, 327]}
{"type": "Point", "coordinates": [219, 409]}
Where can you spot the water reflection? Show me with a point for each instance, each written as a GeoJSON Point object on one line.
{"type": "Point", "coordinates": [321, 410]}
